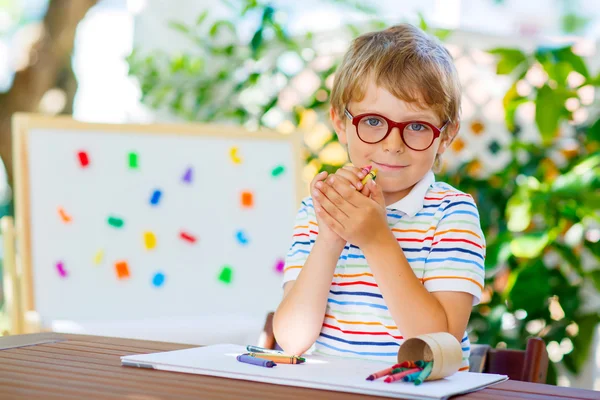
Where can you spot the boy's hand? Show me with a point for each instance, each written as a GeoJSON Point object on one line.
{"type": "Point", "coordinates": [355, 176]}
{"type": "Point", "coordinates": [325, 232]}
{"type": "Point", "coordinates": [356, 218]}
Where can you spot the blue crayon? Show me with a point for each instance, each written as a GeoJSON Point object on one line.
{"type": "Point", "coordinates": [258, 349]}
{"type": "Point", "coordinates": [255, 361]}
{"type": "Point", "coordinates": [155, 197]}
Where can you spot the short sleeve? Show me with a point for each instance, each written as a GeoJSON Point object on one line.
{"type": "Point", "coordinates": [456, 261]}
{"type": "Point", "coordinates": [303, 239]}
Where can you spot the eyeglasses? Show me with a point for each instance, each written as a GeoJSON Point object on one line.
{"type": "Point", "coordinates": [416, 135]}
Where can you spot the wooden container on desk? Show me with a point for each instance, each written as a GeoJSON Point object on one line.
{"type": "Point", "coordinates": [442, 348]}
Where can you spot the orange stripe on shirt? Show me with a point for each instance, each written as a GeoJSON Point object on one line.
{"type": "Point", "coordinates": [360, 322]}
{"type": "Point", "coordinates": [301, 227]}
{"type": "Point", "coordinates": [464, 369]}
{"type": "Point", "coordinates": [352, 275]}
{"type": "Point", "coordinates": [411, 230]}
{"type": "Point", "coordinates": [458, 231]}
{"type": "Point", "coordinates": [454, 277]}
{"type": "Point", "coordinates": [458, 240]}
{"type": "Point", "coordinates": [292, 267]}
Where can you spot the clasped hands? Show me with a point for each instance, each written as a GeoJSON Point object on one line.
{"type": "Point", "coordinates": [347, 210]}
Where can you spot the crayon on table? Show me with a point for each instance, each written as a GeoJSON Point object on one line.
{"type": "Point", "coordinates": [280, 359]}
{"type": "Point", "coordinates": [398, 370]}
{"type": "Point", "coordinates": [382, 373]}
{"type": "Point", "coordinates": [424, 374]}
{"type": "Point", "coordinates": [408, 364]}
{"type": "Point", "coordinates": [258, 349]}
{"type": "Point", "coordinates": [255, 361]}
{"type": "Point", "coordinates": [399, 376]}
{"type": "Point", "coordinates": [379, 374]}
{"type": "Point", "coordinates": [412, 377]}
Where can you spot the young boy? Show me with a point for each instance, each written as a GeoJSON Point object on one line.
{"type": "Point", "coordinates": [371, 265]}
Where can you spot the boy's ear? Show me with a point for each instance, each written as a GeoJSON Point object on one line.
{"type": "Point", "coordinates": [451, 133]}
{"type": "Point", "coordinates": [339, 124]}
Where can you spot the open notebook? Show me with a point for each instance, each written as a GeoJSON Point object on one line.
{"type": "Point", "coordinates": [319, 372]}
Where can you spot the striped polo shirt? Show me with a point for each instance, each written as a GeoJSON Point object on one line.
{"type": "Point", "coordinates": [437, 227]}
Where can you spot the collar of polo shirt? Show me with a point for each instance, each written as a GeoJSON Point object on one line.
{"type": "Point", "coordinates": [412, 203]}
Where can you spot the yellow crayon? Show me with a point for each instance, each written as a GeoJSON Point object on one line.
{"type": "Point", "coordinates": [372, 175]}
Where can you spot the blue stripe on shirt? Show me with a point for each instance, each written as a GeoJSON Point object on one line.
{"type": "Point", "coordinates": [339, 293]}
{"type": "Point", "coordinates": [357, 303]}
{"type": "Point", "coordinates": [459, 203]}
{"type": "Point", "coordinates": [359, 343]}
{"type": "Point", "coordinates": [460, 212]}
{"type": "Point", "coordinates": [360, 353]}
{"type": "Point", "coordinates": [437, 249]}
{"type": "Point", "coordinates": [461, 260]}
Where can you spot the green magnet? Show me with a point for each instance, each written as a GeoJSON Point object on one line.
{"type": "Point", "coordinates": [116, 222]}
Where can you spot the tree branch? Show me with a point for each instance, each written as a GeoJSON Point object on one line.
{"type": "Point", "coordinates": [49, 57]}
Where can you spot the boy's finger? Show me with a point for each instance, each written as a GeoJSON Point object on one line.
{"type": "Point", "coordinates": [360, 172]}
{"type": "Point", "coordinates": [319, 177]}
{"type": "Point", "coordinates": [366, 191]}
{"type": "Point", "coordinates": [351, 177]}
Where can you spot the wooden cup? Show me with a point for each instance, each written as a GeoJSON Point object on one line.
{"type": "Point", "coordinates": [442, 348]}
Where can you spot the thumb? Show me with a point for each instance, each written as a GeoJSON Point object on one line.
{"type": "Point", "coordinates": [376, 193]}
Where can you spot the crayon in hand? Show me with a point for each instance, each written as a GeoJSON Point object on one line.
{"type": "Point", "coordinates": [372, 174]}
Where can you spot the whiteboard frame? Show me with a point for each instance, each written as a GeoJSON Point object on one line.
{"type": "Point", "coordinates": [23, 123]}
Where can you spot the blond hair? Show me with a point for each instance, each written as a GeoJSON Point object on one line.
{"type": "Point", "coordinates": [408, 63]}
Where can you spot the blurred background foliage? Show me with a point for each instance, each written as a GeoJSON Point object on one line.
{"type": "Point", "coordinates": [540, 217]}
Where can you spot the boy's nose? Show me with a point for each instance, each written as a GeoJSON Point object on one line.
{"type": "Point", "coordinates": [394, 143]}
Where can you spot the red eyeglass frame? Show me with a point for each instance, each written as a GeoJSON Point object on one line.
{"type": "Point", "coordinates": [393, 124]}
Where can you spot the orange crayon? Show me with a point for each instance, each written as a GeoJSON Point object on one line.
{"type": "Point", "coordinates": [279, 359]}
{"type": "Point", "coordinates": [382, 373]}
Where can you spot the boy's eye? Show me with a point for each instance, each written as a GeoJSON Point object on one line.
{"type": "Point", "coordinates": [417, 127]}
{"type": "Point", "coordinates": [373, 121]}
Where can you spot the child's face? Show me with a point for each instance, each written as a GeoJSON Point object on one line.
{"type": "Point", "coordinates": [399, 167]}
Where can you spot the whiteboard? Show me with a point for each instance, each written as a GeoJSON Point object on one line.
{"type": "Point", "coordinates": [141, 221]}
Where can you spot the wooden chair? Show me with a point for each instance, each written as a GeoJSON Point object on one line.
{"type": "Point", "coordinates": [529, 365]}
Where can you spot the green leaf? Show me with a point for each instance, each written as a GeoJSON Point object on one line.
{"type": "Point", "coordinates": [442, 34]}
{"type": "Point", "coordinates": [593, 134]}
{"type": "Point", "coordinates": [518, 211]}
{"type": "Point", "coordinates": [548, 111]}
{"type": "Point", "coordinates": [529, 245]}
{"type": "Point", "coordinates": [256, 41]}
{"type": "Point", "coordinates": [581, 181]}
{"type": "Point", "coordinates": [595, 275]}
{"type": "Point", "coordinates": [201, 18]}
{"type": "Point", "coordinates": [568, 255]}
{"type": "Point", "coordinates": [593, 247]}
{"type": "Point", "coordinates": [422, 23]}
{"type": "Point", "coordinates": [497, 253]}
{"type": "Point", "coordinates": [510, 59]}
{"type": "Point", "coordinates": [531, 288]}
{"type": "Point", "coordinates": [214, 29]}
{"type": "Point", "coordinates": [178, 26]}
{"type": "Point", "coordinates": [574, 23]}
{"type": "Point", "coordinates": [511, 101]}
{"type": "Point", "coordinates": [581, 343]}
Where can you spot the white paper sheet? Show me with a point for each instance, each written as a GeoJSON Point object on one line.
{"type": "Point", "coordinates": [329, 373]}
